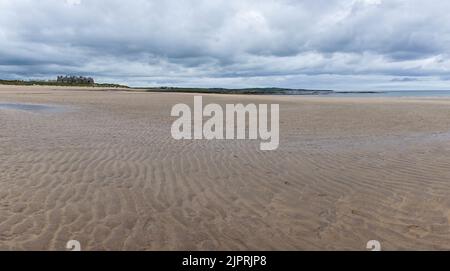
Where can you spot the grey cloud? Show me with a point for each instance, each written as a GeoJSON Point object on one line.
{"type": "Point", "coordinates": [220, 43]}
{"type": "Point", "coordinates": [405, 79]}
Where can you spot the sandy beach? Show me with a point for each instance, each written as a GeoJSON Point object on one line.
{"type": "Point", "coordinates": [103, 169]}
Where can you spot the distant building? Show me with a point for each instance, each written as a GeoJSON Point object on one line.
{"type": "Point", "coordinates": [75, 80]}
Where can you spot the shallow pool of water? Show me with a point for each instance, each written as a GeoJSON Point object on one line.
{"type": "Point", "coordinates": [31, 107]}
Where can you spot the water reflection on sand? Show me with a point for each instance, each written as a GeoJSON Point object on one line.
{"type": "Point", "coordinates": [31, 107]}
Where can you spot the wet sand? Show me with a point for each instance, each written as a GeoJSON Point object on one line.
{"type": "Point", "coordinates": [106, 172]}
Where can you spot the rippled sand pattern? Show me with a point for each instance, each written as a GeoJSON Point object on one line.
{"type": "Point", "coordinates": [109, 174]}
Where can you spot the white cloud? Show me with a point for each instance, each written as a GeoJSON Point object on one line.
{"type": "Point", "coordinates": [73, 2]}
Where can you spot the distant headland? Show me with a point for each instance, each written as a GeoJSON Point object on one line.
{"type": "Point", "coordinates": [81, 81]}
{"type": "Point", "coordinates": [249, 91]}
{"type": "Point", "coordinates": [64, 81]}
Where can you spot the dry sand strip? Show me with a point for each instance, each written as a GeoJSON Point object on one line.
{"type": "Point", "coordinates": [106, 171]}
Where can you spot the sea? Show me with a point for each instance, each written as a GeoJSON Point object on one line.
{"type": "Point", "coordinates": [396, 93]}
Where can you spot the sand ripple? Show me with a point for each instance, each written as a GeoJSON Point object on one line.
{"type": "Point", "coordinates": [110, 176]}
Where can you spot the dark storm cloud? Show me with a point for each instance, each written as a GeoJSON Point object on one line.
{"type": "Point", "coordinates": [227, 43]}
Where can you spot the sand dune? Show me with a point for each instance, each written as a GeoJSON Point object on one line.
{"type": "Point", "coordinates": [107, 172]}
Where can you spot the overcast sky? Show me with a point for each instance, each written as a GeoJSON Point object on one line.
{"type": "Point", "coordinates": [327, 44]}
